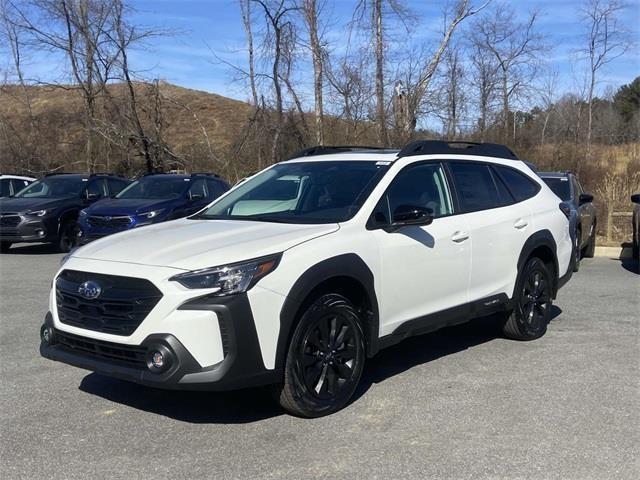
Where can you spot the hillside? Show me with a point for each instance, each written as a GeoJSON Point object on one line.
{"type": "Point", "coordinates": [54, 131]}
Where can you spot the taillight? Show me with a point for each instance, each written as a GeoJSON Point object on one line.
{"type": "Point", "coordinates": [566, 210]}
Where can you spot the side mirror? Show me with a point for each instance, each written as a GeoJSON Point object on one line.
{"type": "Point", "coordinates": [405, 215]}
{"type": "Point", "coordinates": [635, 198]}
{"type": "Point", "coordinates": [195, 197]}
{"type": "Point", "coordinates": [585, 198]}
{"type": "Point", "coordinates": [91, 197]}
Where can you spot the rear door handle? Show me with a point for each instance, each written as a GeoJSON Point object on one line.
{"type": "Point", "coordinates": [459, 236]}
{"type": "Point", "coordinates": [520, 224]}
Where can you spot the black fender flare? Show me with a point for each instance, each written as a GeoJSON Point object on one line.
{"type": "Point", "coordinates": [348, 265]}
{"type": "Point", "coordinates": [541, 238]}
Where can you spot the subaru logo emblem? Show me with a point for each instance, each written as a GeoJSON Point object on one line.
{"type": "Point", "coordinates": [107, 218]}
{"type": "Point", "coordinates": [90, 290]}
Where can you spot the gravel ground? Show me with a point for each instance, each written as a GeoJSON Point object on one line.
{"type": "Point", "coordinates": [459, 403]}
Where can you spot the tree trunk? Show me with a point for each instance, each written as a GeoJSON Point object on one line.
{"type": "Point", "coordinates": [379, 41]}
{"type": "Point", "coordinates": [311, 13]}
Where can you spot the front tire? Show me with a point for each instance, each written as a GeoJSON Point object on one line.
{"type": "Point", "coordinates": [325, 358]}
{"type": "Point", "coordinates": [577, 252]}
{"type": "Point", "coordinates": [66, 237]}
{"type": "Point", "coordinates": [532, 303]}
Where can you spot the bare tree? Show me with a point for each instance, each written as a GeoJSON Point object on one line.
{"type": "Point", "coordinates": [515, 47]}
{"type": "Point", "coordinates": [310, 11]}
{"type": "Point", "coordinates": [245, 7]}
{"type": "Point", "coordinates": [417, 92]}
{"type": "Point", "coordinates": [606, 41]}
{"type": "Point", "coordinates": [276, 16]}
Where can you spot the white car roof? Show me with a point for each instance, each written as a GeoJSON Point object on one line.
{"type": "Point", "coordinates": [18, 177]}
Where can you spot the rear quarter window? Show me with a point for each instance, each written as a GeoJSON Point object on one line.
{"type": "Point", "coordinates": [520, 186]}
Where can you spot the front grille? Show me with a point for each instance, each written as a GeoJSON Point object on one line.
{"type": "Point", "coordinates": [110, 222]}
{"type": "Point", "coordinates": [119, 309]}
{"type": "Point", "coordinates": [10, 220]}
{"type": "Point", "coordinates": [128, 355]}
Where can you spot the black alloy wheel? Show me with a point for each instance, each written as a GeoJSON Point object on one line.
{"type": "Point", "coordinates": [532, 310]}
{"type": "Point", "coordinates": [325, 358]}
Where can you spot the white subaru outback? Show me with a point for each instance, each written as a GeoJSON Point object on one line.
{"type": "Point", "coordinates": [304, 270]}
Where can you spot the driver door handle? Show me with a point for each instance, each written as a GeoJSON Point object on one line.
{"type": "Point", "coordinates": [520, 224]}
{"type": "Point", "coordinates": [459, 236]}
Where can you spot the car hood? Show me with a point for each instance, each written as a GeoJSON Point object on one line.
{"type": "Point", "coordinates": [23, 205]}
{"type": "Point", "coordinates": [193, 244]}
{"type": "Point", "coordinates": [128, 206]}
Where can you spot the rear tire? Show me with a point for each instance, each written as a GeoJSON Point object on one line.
{"type": "Point", "coordinates": [5, 246]}
{"type": "Point", "coordinates": [590, 249]}
{"type": "Point", "coordinates": [532, 302]}
{"type": "Point", "coordinates": [325, 359]}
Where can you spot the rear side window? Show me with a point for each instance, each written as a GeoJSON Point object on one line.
{"type": "Point", "coordinates": [476, 187]}
{"type": "Point", "coordinates": [521, 186]}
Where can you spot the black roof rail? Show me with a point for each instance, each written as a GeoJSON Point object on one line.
{"type": "Point", "coordinates": [105, 174]}
{"type": "Point", "coordinates": [426, 147]}
{"type": "Point", "coordinates": [207, 174]}
{"type": "Point", "coordinates": [60, 173]}
{"type": "Point", "coordinates": [326, 150]}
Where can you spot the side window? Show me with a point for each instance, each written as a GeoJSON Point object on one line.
{"type": "Point", "coordinates": [521, 186]}
{"type": "Point", "coordinates": [95, 188]}
{"type": "Point", "coordinates": [5, 187]}
{"type": "Point", "coordinates": [577, 188]}
{"type": "Point", "coordinates": [116, 186]}
{"type": "Point", "coordinates": [503, 192]}
{"type": "Point", "coordinates": [421, 185]}
{"type": "Point", "coordinates": [197, 190]}
{"type": "Point", "coordinates": [475, 186]}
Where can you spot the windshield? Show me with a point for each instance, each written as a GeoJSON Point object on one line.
{"type": "Point", "coordinates": [164, 187]}
{"type": "Point", "coordinates": [560, 186]}
{"type": "Point", "coordinates": [54, 187]}
{"type": "Point", "coordinates": [304, 192]}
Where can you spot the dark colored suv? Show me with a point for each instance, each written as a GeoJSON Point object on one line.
{"type": "Point", "coordinates": [636, 225]}
{"type": "Point", "coordinates": [579, 208]}
{"type": "Point", "coordinates": [151, 199]}
{"type": "Point", "coordinates": [47, 210]}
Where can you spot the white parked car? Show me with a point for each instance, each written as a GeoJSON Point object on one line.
{"type": "Point", "coordinates": [12, 184]}
{"type": "Point", "coordinates": [300, 273]}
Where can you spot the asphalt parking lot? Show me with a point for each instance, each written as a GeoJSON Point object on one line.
{"type": "Point", "coordinates": [460, 403]}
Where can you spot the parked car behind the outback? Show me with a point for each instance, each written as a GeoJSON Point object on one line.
{"type": "Point", "coordinates": [578, 206]}
{"type": "Point", "coordinates": [47, 210]}
{"type": "Point", "coordinates": [300, 273]}
{"type": "Point", "coordinates": [636, 225]}
{"type": "Point", "coordinates": [12, 184]}
{"type": "Point", "coordinates": [151, 199]}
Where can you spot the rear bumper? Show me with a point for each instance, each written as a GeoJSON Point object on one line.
{"type": "Point", "coordinates": [241, 367]}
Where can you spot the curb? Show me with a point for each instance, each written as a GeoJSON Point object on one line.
{"type": "Point", "coordinates": [613, 252]}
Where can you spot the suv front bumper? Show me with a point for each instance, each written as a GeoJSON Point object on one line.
{"type": "Point", "coordinates": [29, 229]}
{"type": "Point", "coordinates": [242, 365]}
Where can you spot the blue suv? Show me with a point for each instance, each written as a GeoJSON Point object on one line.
{"type": "Point", "coordinates": [152, 199]}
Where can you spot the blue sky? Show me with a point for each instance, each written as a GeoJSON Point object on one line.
{"type": "Point", "coordinates": [199, 26]}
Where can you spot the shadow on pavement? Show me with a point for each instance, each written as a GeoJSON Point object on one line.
{"type": "Point", "coordinates": [629, 264]}
{"type": "Point", "coordinates": [31, 249]}
{"type": "Point", "coordinates": [250, 405]}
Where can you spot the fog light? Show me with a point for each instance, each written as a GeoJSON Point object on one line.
{"type": "Point", "coordinates": [157, 359]}
{"type": "Point", "coordinates": [40, 233]}
{"type": "Point", "coordinates": [46, 335]}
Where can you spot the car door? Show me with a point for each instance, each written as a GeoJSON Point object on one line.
{"type": "Point", "coordinates": [497, 224]}
{"type": "Point", "coordinates": [424, 269]}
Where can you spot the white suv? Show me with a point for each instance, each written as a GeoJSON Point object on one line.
{"type": "Point", "coordinates": [304, 270]}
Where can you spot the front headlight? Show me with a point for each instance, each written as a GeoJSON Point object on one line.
{"type": "Point", "coordinates": [229, 279]}
{"type": "Point", "coordinates": [83, 213]}
{"type": "Point", "coordinates": [151, 214]}
{"type": "Point", "coordinates": [39, 213]}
